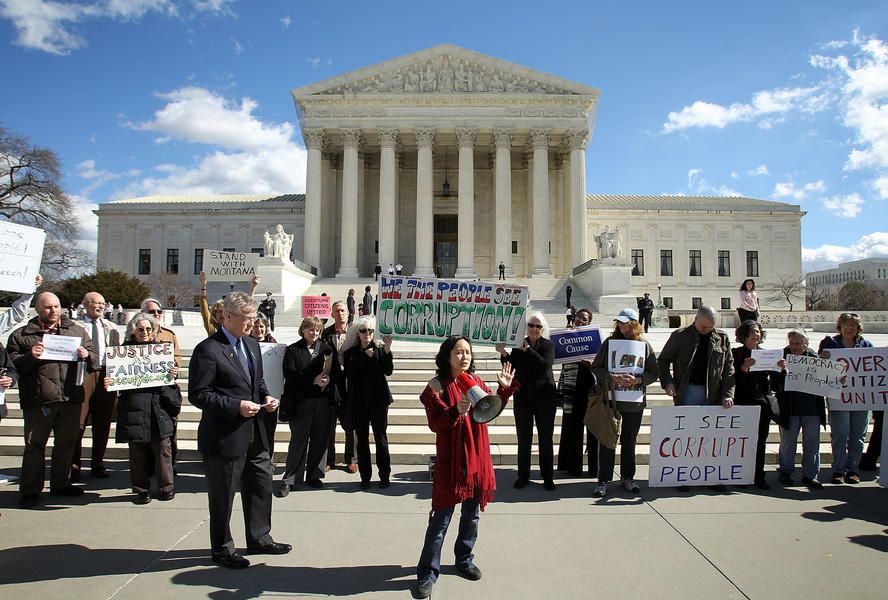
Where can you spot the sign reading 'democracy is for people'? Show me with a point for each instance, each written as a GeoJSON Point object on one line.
{"type": "Point", "coordinates": [220, 265]}
{"type": "Point", "coordinates": [703, 445]}
{"type": "Point", "coordinates": [866, 381]}
{"type": "Point", "coordinates": [273, 368]}
{"type": "Point", "coordinates": [430, 310]}
{"type": "Point", "coordinates": [818, 376]}
{"type": "Point", "coordinates": [627, 356]}
{"type": "Point", "coordinates": [575, 344]}
{"type": "Point", "coordinates": [139, 365]}
{"type": "Point", "coordinates": [316, 306]}
{"type": "Point", "coordinates": [21, 250]}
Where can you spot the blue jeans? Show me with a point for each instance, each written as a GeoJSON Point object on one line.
{"type": "Point", "coordinates": [847, 434]}
{"type": "Point", "coordinates": [695, 395]}
{"type": "Point", "coordinates": [810, 427]}
{"type": "Point", "coordinates": [429, 566]}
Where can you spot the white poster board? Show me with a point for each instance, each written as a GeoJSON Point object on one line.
{"type": "Point", "coordinates": [627, 356]}
{"type": "Point", "coordinates": [61, 347]}
{"type": "Point", "coordinates": [139, 365]}
{"type": "Point", "coordinates": [866, 381]}
{"type": "Point", "coordinates": [813, 375]}
{"type": "Point", "coordinates": [703, 445]}
{"type": "Point", "coordinates": [21, 251]}
{"type": "Point", "coordinates": [766, 360]}
{"type": "Point", "coordinates": [883, 477]}
{"type": "Point", "coordinates": [272, 368]}
{"type": "Point", "coordinates": [229, 266]}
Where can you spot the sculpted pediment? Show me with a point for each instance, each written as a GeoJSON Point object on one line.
{"type": "Point", "coordinates": [444, 69]}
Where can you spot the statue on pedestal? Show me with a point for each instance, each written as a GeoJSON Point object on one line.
{"type": "Point", "coordinates": [279, 244]}
{"type": "Point", "coordinates": [608, 243]}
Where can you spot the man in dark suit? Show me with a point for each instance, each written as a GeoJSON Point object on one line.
{"type": "Point", "coordinates": [335, 336]}
{"type": "Point", "coordinates": [225, 381]}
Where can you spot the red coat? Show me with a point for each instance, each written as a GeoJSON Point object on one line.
{"type": "Point", "coordinates": [463, 467]}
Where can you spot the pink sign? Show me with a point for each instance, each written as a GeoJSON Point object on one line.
{"type": "Point", "coordinates": [316, 306]}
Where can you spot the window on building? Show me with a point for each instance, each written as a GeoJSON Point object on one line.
{"type": "Point", "coordinates": [696, 302]}
{"type": "Point", "coordinates": [514, 246]}
{"type": "Point", "coordinates": [259, 251]}
{"type": "Point", "coordinates": [752, 263]}
{"type": "Point", "coordinates": [144, 261]}
{"type": "Point", "coordinates": [198, 260]}
{"type": "Point", "coordinates": [724, 263]}
{"type": "Point", "coordinates": [376, 246]}
{"type": "Point", "coordinates": [666, 263]}
{"type": "Point", "coordinates": [638, 262]}
{"type": "Point", "coordinates": [726, 304]}
{"type": "Point", "coordinates": [667, 301]}
{"type": "Point", "coordinates": [172, 260]}
{"type": "Point", "coordinates": [695, 263]}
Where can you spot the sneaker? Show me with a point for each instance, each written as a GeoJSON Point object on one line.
{"type": "Point", "coordinates": [600, 490]}
{"type": "Point", "coordinates": [838, 478]}
{"type": "Point", "coordinates": [852, 478]}
{"type": "Point", "coordinates": [470, 572]}
{"type": "Point", "coordinates": [785, 478]}
{"type": "Point", "coordinates": [630, 486]}
{"type": "Point", "coordinates": [812, 483]}
{"type": "Point", "coordinates": [422, 589]}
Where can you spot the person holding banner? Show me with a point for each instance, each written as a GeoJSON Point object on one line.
{"type": "Point", "coordinates": [463, 469]}
{"type": "Point", "coordinates": [753, 389]}
{"type": "Point", "coordinates": [535, 398]}
{"type": "Point", "coordinates": [806, 413]}
{"type": "Point", "coordinates": [367, 364]}
{"type": "Point", "coordinates": [626, 327]}
{"type": "Point", "coordinates": [145, 421]}
{"type": "Point", "coordinates": [213, 316]}
{"type": "Point", "coordinates": [18, 312]}
{"type": "Point", "coordinates": [847, 428]}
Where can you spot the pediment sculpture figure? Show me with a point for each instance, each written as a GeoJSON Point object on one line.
{"type": "Point", "coordinates": [608, 243]}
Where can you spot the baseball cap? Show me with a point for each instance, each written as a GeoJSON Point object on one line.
{"type": "Point", "coordinates": [626, 315]}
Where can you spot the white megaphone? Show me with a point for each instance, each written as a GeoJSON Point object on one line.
{"type": "Point", "coordinates": [485, 407]}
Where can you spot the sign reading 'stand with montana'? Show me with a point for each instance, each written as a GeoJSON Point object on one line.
{"type": "Point", "coordinates": [419, 309]}
{"type": "Point", "coordinates": [219, 265]}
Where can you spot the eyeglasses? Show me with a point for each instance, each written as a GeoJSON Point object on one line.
{"type": "Point", "coordinates": [535, 325]}
{"type": "Point", "coordinates": [244, 318]}
{"type": "Point", "coordinates": [144, 329]}
{"type": "Point", "coordinates": [366, 331]}
{"type": "Point", "coordinates": [154, 312]}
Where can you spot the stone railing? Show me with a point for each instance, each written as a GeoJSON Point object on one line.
{"type": "Point", "coordinates": [873, 321]}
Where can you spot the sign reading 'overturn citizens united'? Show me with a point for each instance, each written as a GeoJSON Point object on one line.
{"type": "Point", "coordinates": [430, 310]}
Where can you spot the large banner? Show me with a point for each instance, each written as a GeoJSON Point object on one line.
{"type": "Point", "coordinates": [219, 265]}
{"type": "Point", "coordinates": [866, 381]}
{"type": "Point", "coordinates": [139, 365]}
{"type": "Point", "coordinates": [272, 368]}
{"type": "Point", "coordinates": [21, 251]}
{"type": "Point", "coordinates": [316, 306]}
{"type": "Point", "coordinates": [572, 345]}
{"type": "Point", "coordinates": [627, 356]}
{"type": "Point", "coordinates": [818, 376]}
{"type": "Point", "coordinates": [431, 310]}
{"type": "Point", "coordinates": [703, 445]}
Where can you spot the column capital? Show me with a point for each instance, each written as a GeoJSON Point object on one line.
{"type": "Point", "coordinates": [539, 138]}
{"type": "Point", "coordinates": [388, 136]}
{"type": "Point", "coordinates": [577, 139]}
{"type": "Point", "coordinates": [351, 138]}
{"type": "Point", "coordinates": [502, 137]}
{"type": "Point", "coordinates": [314, 138]}
{"type": "Point", "coordinates": [425, 136]}
{"type": "Point", "coordinates": [465, 137]}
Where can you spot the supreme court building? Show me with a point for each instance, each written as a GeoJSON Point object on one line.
{"type": "Point", "coordinates": [448, 162]}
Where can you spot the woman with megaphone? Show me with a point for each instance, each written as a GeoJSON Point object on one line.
{"type": "Point", "coordinates": [463, 468]}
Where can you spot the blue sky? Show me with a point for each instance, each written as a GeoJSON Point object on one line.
{"type": "Point", "coordinates": [785, 101]}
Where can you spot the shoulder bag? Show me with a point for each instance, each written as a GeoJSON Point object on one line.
{"type": "Point", "coordinates": [602, 416]}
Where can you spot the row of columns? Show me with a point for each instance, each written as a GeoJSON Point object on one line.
{"type": "Point", "coordinates": [315, 140]}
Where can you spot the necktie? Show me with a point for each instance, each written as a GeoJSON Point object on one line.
{"type": "Point", "coordinates": [95, 341]}
{"type": "Point", "coordinates": [241, 352]}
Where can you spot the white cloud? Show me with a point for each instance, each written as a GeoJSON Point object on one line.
{"type": "Point", "coordinates": [87, 222]}
{"type": "Point", "coordinates": [236, 45]}
{"type": "Point", "coordinates": [881, 186]}
{"type": "Point", "coordinates": [788, 189]}
{"type": "Point", "coordinates": [314, 61]}
{"type": "Point", "coordinates": [846, 207]}
{"type": "Point", "coordinates": [828, 255]}
{"type": "Point", "coordinates": [698, 185]}
{"type": "Point", "coordinates": [285, 21]}
{"type": "Point", "coordinates": [759, 170]}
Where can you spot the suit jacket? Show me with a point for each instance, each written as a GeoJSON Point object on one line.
{"type": "Point", "coordinates": [216, 385]}
{"type": "Point", "coordinates": [337, 372]}
{"type": "Point", "coordinates": [109, 333]}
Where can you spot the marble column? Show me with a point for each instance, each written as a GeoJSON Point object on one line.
{"type": "Point", "coordinates": [425, 217]}
{"type": "Point", "coordinates": [388, 139]}
{"type": "Point", "coordinates": [466, 234]}
{"type": "Point", "coordinates": [314, 141]}
{"type": "Point", "coordinates": [502, 140]}
{"type": "Point", "coordinates": [577, 141]}
{"type": "Point", "coordinates": [539, 141]}
{"type": "Point", "coordinates": [348, 250]}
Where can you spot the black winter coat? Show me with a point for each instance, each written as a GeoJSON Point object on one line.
{"type": "Point", "coordinates": [368, 388]}
{"type": "Point", "coordinates": [136, 409]}
{"type": "Point", "coordinates": [300, 370]}
{"type": "Point", "coordinates": [533, 371]}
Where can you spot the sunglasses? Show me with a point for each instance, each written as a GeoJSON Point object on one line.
{"type": "Point", "coordinates": [154, 312]}
{"type": "Point", "coordinates": [144, 329]}
{"type": "Point", "coordinates": [535, 325]}
{"type": "Point", "coordinates": [849, 314]}
{"type": "Point", "coordinates": [366, 331]}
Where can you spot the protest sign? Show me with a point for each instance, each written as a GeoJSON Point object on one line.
{"type": "Point", "coordinates": [818, 376]}
{"type": "Point", "coordinates": [866, 381]}
{"type": "Point", "coordinates": [139, 366]}
{"type": "Point", "coordinates": [572, 345]}
{"type": "Point", "coordinates": [703, 445]}
{"type": "Point", "coordinates": [627, 356]}
{"type": "Point", "coordinates": [229, 266]}
{"type": "Point", "coordinates": [60, 347]}
{"type": "Point", "coordinates": [430, 310]}
{"type": "Point", "coordinates": [272, 368]}
{"type": "Point", "coordinates": [21, 251]}
{"type": "Point", "coordinates": [883, 477]}
{"type": "Point", "coordinates": [316, 306]}
{"type": "Point", "coordinates": [766, 360]}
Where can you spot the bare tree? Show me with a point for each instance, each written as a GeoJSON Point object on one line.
{"type": "Point", "coordinates": [171, 290]}
{"type": "Point", "coordinates": [786, 290]}
{"type": "Point", "coordinates": [816, 297]}
{"type": "Point", "coordinates": [858, 295]}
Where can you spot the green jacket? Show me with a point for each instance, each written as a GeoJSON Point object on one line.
{"type": "Point", "coordinates": [677, 356]}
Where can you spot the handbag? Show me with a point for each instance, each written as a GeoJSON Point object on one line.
{"type": "Point", "coordinates": [602, 416]}
{"type": "Point", "coordinates": [778, 414]}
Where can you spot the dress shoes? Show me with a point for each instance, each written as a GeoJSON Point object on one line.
{"type": "Point", "coordinates": [520, 483]}
{"type": "Point", "coordinates": [231, 561]}
{"type": "Point", "coordinates": [272, 548]}
{"type": "Point", "coordinates": [549, 485]}
{"type": "Point", "coordinates": [166, 496]}
{"type": "Point", "coordinates": [383, 484]}
{"type": "Point", "coordinates": [470, 572]}
{"type": "Point", "coordinates": [314, 483]}
{"type": "Point", "coordinates": [99, 473]}
{"type": "Point", "coordinates": [142, 498]}
{"type": "Point", "coordinates": [282, 491]}
{"type": "Point", "coordinates": [75, 475]}
{"type": "Point", "coordinates": [29, 500]}
{"type": "Point", "coordinates": [422, 589]}
{"type": "Point", "coordinates": [69, 491]}
{"type": "Point", "coordinates": [365, 485]}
